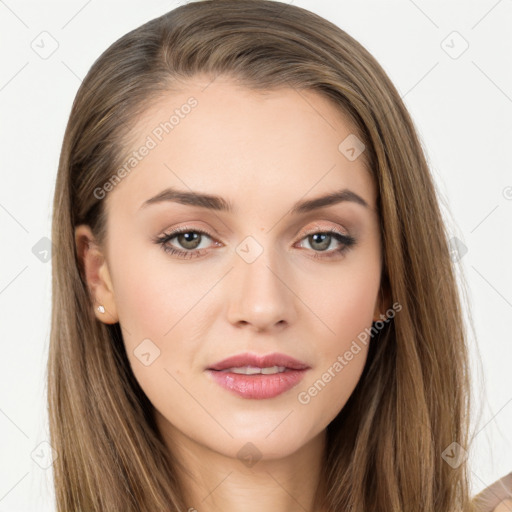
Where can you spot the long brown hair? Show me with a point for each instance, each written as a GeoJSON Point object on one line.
{"type": "Point", "coordinates": [387, 447]}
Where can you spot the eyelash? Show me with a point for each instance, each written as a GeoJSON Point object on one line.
{"type": "Point", "coordinates": [347, 242]}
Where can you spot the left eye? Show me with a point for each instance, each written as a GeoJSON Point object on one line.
{"type": "Point", "coordinates": [323, 240]}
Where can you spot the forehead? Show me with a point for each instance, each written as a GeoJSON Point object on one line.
{"type": "Point", "coordinates": [219, 137]}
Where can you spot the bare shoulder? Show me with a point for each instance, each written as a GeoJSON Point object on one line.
{"type": "Point", "coordinates": [497, 497]}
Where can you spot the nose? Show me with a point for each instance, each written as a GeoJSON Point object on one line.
{"type": "Point", "coordinates": [261, 294]}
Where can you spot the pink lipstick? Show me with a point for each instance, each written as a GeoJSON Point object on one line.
{"type": "Point", "coordinates": [255, 376]}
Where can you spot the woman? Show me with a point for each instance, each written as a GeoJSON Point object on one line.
{"type": "Point", "coordinates": [246, 313]}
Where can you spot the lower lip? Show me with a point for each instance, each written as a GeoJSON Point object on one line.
{"type": "Point", "coordinates": [257, 386]}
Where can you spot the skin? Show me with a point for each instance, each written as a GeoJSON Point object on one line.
{"type": "Point", "coordinates": [497, 497]}
{"type": "Point", "coordinates": [263, 152]}
{"type": "Point", "coordinates": [504, 506]}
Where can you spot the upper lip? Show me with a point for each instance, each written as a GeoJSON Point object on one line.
{"type": "Point", "coordinates": [261, 361]}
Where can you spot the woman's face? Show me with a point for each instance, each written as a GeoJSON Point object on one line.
{"type": "Point", "coordinates": [265, 276]}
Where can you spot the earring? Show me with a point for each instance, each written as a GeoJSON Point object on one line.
{"type": "Point", "coordinates": [101, 309]}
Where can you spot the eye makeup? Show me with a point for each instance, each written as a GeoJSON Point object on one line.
{"type": "Point", "coordinates": [315, 236]}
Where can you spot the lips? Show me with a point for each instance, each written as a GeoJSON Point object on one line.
{"type": "Point", "coordinates": [257, 376]}
{"type": "Point", "coordinates": [260, 361]}
{"type": "Point", "coordinates": [257, 386]}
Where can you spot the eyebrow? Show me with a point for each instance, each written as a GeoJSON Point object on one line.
{"type": "Point", "coordinates": [213, 202]}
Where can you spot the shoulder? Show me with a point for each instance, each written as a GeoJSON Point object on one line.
{"type": "Point", "coordinates": [497, 497]}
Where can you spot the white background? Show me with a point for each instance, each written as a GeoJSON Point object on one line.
{"type": "Point", "coordinates": [461, 107]}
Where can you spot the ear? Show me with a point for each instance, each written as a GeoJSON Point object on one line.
{"type": "Point", "coordinates": [95, 272]}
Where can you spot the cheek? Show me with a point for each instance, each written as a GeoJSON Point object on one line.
{"type": "Point", "coordinates": [151, 297]}
{"type": "Point", "coordinates": [343, 354]}
{"type": "Point", "coordinates": [347, 304]}
{"type": "Point", "coordinates": [152, 305]}
{"type": "Point", "coordinates": [158, 302]}
{"type": "Point", "coordinates": [329, 389]}
{"type": "Point", "coordinates": [346, 309]}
